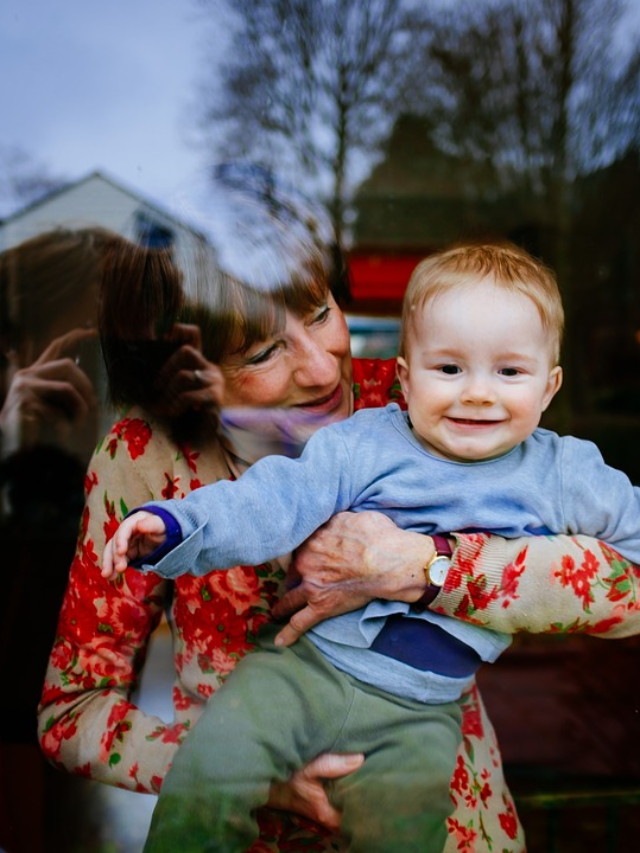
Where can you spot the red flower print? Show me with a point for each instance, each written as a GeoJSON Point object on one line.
{"type": "Point", "coordinates": [465, 836]}
{"type": "Point", "coordinates": [508, 821]}
{"type": "Point", "coordinates": [190, 457]}
{"type": "Point", "coordinates": [511, 576]}
{"type": "Point", "coordinates": [84, 771]}
{"type": "Point", "coordinates": [112, 523]}
{"type": "Point", "coordinates": [171, 487]}
{"type": "Point", "coordinates": [206, 690]}
{"type": "Point", "coordinates": [471, 721]}
{"type": "Point", "coordinates": [90, 480]}
{"type": "Point", "coordinates": [590, 563]}
{"type": "Point", "coordinates": [129, 617]}
{"type": "Point", "coordinates": [375, 384]}
{"type": "Point", "coordinates": [619, 587]}
{"type": "Point", "coordinates": [170, 734]}
{"type": "Point", "coordinates": [55, 734]}
{"type": "Point", "coordinates": [181, 701]}
{"type": "Point", "coordinates": [117, 725]}
{"type": "Point", "coordinates": [617, 618]}
{"type": "Point", "coordinates": [566, 570]}
{"type": "Point", "coordinates": [485, 794]}
{"type": "Point", "coordinates": [61, 657]}
{"type": "Point", "coordinates": [136, 433]}
{"type": "Point", "coordinates": [455, 578]}
{"type": "Point", "coordinates": [239, 586]}
{"type": "Point", "coordinates": [175, 733]}
{"type": "Point", "coordinates": [480, 597]}
{"type": "Point", "coordinates": [579, 578]}
{"type": "Point", "coordinates": [460, 780]}
{"type": "Point", "coordinates": [614, 559]}
{"type": "Point", "coordinates": [581, 584]}
{"type": "Point", "coordinates": [106, 668]}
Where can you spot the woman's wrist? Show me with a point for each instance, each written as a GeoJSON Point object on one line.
{"type": "Point", "coordinates": [403, 575]}
{"type": "Point", "coordinates": [436, 569]}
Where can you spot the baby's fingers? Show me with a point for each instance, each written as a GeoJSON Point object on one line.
{"type": "Point", "coordinates": [108, 570]}
{"type": "Point", "coordinates": [116, 553]}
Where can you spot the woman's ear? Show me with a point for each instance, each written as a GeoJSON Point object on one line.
{"type": "Point", "coordinates": [554, 383]}
{"type": "Point", "coordinates": [402, 369]}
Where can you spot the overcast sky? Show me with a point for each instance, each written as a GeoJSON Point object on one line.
{"type": "Point", "coordinates": [110, 85]}
{"type": "Point", "coordinates": [89, 84]}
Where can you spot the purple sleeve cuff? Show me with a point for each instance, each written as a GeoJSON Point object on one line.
{"type": "Point", "coordinates": [174, 537]}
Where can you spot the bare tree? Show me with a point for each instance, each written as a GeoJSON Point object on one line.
{"type": "Point", "coordinates": [23, 179]}
{"type": "Point", "coordinates": [310, 86]}
{"type": "Point", "coordinates": [536, 88]}
{"type": "Point", "coordinates": [540, 92]}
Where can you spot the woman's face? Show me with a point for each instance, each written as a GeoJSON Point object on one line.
{"type": "Point", "coordinates": [306, 366]}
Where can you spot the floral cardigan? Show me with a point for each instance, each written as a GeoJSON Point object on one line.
{"type": "Point", "coordinates": [89, 726]}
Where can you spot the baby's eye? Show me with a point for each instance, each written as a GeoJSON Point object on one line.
{"type": "Point", "coordinates": [449, 369]}
{"type": "Point", "coordinates": [509, 371]}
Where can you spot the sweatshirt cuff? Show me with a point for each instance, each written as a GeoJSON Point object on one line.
{"type": "Point", "coordinates": [173, 534]}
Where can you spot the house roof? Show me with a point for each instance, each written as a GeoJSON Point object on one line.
{"type": "Point", "coordinates": [100, 175]}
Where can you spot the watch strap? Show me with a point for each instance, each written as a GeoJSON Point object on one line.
{"type": "Point", "coordinates": [442, 549]}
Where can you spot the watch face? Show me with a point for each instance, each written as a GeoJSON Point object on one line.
{"type": "Point", "coordinates": [438, 570]}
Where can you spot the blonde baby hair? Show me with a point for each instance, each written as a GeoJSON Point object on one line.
{"type": "Point", "coordinates": [505, 264]}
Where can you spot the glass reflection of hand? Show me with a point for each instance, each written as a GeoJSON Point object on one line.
{"type": "Point", "coordinates": [188, 381]}
{"type": "Point", "coordinates": [53, 391]}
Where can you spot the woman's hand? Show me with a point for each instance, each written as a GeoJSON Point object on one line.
{"type": "Point", "coordinates": [305, 793]}
{"type": "Point", "coordinates": [187, 380]}
{"type": "Point", "coordinates": [53, 390]}
{"type": "Point", "coordinates": [352, 559]}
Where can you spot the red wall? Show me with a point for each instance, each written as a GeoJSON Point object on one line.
{"type": "Point", "coordinates": [378, 281]}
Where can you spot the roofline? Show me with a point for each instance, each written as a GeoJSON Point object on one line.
{"type": "Point", "coordinates": [98, 173]}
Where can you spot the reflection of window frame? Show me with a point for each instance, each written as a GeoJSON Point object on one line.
{"type": "Point", "coordinates": [373, 337]}
{"type": "Point", "coordinates": [151, 233]}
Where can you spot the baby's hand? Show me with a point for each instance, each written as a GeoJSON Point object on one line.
{"type": "Point", "coordinates": [138, 536]}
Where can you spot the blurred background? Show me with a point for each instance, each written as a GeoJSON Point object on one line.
{"type": "Point", "coordinates": [413, 123]}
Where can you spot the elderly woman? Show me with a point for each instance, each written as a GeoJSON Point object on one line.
{"type": "Point", "coordinates": [285, 354]}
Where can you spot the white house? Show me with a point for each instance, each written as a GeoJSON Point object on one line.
{"type": "Point", "coordinates": [98, 200]}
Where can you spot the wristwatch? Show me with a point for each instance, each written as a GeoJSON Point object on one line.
{"type": "Point", "coordinates": [436, 570]}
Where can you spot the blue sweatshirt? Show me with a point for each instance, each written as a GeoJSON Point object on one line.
{"type": "Point", "coordinates": [372, 461]}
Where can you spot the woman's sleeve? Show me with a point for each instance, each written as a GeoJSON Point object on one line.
{"type": "Point", "coordinates": [542, 584]}
{"type": "Point", "coordinates": [86, 721]}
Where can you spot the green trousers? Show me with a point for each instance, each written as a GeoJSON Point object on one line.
{"type": "Point", "coordinates": [279, 709]}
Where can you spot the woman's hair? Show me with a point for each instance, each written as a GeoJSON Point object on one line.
{"type": "Point", "coordinates": [140, 298]}
{"type": "Point", "coordinates": [504, 264]}
{"type": "Point", "coordinates": [41, 278]}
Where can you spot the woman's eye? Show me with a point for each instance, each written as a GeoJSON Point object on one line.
{"type": "Point", "coordinates": [261, 356]}
{"type": "Point", "coordinates": [321, 315]}
{"type": "Point", "coordinates": [449, 369]}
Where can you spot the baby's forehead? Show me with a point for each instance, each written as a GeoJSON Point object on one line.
{"type": "Point", "coordinates": [498, 322]}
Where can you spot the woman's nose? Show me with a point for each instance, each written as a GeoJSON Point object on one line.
{"type": "Point", "coordinates": [315, 364]}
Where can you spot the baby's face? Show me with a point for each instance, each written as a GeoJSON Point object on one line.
{"type": "Point", "coordinates": [478, 372]}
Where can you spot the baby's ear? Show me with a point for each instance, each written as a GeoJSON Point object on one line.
{"type": "Point", "coordinates": [402, 369]}
{"type": "Point", "coordinates": [554, 383]}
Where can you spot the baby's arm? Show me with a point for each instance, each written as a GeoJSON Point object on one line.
{"type": "Point", "coordinates": [139, 535]}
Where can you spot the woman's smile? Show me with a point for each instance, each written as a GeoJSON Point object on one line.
{"type": "Point", "coordinates": [326, 404]}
